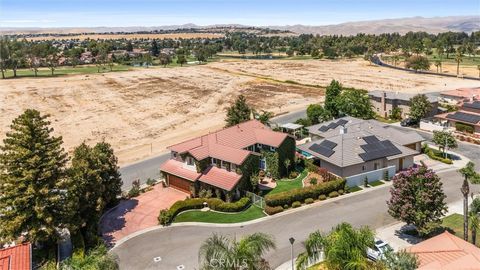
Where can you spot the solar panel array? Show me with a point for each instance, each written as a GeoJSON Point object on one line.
{"type": "Point", "coordinates": [333, 125]}
{"type": "Point", "coordinates": [323, 148]}
{"type": "Point", "coordinates": [370, 139]}
{"type": "Point", "coordinates": [473, 105]}
{"type": "Point", "coordinates": [464, 117]}
{"type": "Point", "coordinates": [378, 149]}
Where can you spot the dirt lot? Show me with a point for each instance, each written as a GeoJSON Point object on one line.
{"type": "Point", "coordinates": [351, 73]}
{"type": "Point", "coordinates": [141, 112]}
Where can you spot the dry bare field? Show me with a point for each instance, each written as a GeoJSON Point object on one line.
{"type": "Point", "coordinates": [131, 36]}
{"type": "Point", "coordinates": [351, 73]}
{"type": "Point", "coordinates": [140, 112]}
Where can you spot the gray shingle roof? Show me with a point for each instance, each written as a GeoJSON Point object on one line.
{"type": "Point", "coordinates": [399, 95]}
{"type": "Point", "coordinates": [374, 127]}
{"type": "Point", "coordinates": [348, 150]}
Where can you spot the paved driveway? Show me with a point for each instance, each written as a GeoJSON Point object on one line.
{"type": "Point", "coordinates": [138, 213]}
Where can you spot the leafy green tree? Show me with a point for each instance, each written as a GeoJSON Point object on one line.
{"type": "Point", "coordinates": [417, 62]}
{"type": "Point", "coordinates": [444, 140]}
{"type": "Point", "coordinates": [96, 184]}
{"type": "Point", "coordinates": [400, 260]}
{"type": "Point", "coordinates": [129, 47]}
{"type": "Point", "coordinates": [32, 180]}
{"type": "Point", "coordinates": [420, 106]}
{"type": "Point", "coordinates": [263, 116]}
{"type": "Point", "coordinates": [97, 258]}
{"type": "Point", "coordinates": [52, 58]}
{"type": "Point", "coordinates": [181, 59]}
{"type": "Point", "coordinates": [438, 65]}
{"type": "Point", "coordinates": [239, 112]}
{"type": "Point", "coordinates": [154, 48]}
{"type": "Point", "coordinates": [220, 252]}
{"type": "Point", "coordinates": [4, 55]}
{"type": "Point", "coordinates": [332, 92]}
{"type": "Point", "coordinates": [417, 198]}
{"type": "Point", "coordinates": [165, 59]}
{"type": "Point", "coordinates": [396, 113]}
{"type": "Point", "coordinates": [316, 114]}
{"type": "Point", "coordinates": [17, 56]}
{"type": "Point", "coordinates": [355, 103]}
{"type": "Point", "coordinates": [344, 247]}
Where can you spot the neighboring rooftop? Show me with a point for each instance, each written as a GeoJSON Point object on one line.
{"type": "Point", "coordinates": [351, 125]}
{"type": "Point", "coordinates": [18, 257]}
{"type": "Point", "coordinates": [228, 144]}
{"type": "Point", "coordinates": [472, 105]}
{"type": "Point", "coordinates": [355, 148]}
{"type": "Point", "coordinates": [399, 95]}
{"type": "Point", "coordinates": [466, 93]}
{"type": "Point", "coordinates": [446, 252]}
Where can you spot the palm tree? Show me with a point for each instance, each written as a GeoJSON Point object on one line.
{"type": "Point", "coordinates": [438, 64]}
{"type": "Point", "coordinates": [474, 225]}
{"type": "Point", "coordinates": [244, 254]}
{"type": "Point", "coordinates": [344, 247]}
{"type": "Point", "coordinates": [458, 59]}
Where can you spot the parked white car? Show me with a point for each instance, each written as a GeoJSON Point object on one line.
{"type": "Point", "coordinates": [379, 249]}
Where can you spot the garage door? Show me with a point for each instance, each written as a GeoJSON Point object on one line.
{"type": "Point", "coordinates": [179, 183]}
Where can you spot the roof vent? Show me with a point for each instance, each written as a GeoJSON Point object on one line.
{"type": "Point", "coordinates": [343, 130]}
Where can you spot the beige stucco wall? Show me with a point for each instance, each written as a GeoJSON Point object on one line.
{"type": "Point", "coordinates": [378, 108]}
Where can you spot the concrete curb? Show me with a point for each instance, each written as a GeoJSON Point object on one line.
{"type": "Point", "coordinates": [246, 223]}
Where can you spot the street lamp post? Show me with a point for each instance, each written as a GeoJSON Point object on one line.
{"type": "Point", "coordinates": [292, 240]}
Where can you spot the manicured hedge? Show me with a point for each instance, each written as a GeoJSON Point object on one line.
{"type": "Point", "coordinates": [167, 216]}
{"type": "Point", "coordinates": [273, 210]}
{"type": "Point", "coordinates": [300, 194]}
{"type": "Point", "coordinates": [464, 128]}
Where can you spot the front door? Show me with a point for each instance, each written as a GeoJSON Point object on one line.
{"type": "Point", "coordinates": [400, 164]}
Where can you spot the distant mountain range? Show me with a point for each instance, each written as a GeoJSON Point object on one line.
{"type": "Point", "coordinates": [431, 25]}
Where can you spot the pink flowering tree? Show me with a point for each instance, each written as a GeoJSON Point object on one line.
{"type": "Point", "coordinates": [417, 198]}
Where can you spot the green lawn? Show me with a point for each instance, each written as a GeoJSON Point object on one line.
{"type": "Point", "coordinates": [455, 223]}
{"type": "Point", "coordinates": [253, 212]}
{"type": "Point", "coordinates": [376, 183]}
{"type": "Point", "coordinates": [288, 184]}
{"type": "Point", "coordinates": [354, 189]}
{"type": "Point", "coordinates": [45, 72]}
{"type": "Point", "coordinates": [384, 120]}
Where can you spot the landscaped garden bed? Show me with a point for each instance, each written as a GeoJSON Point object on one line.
{"type": "Point", "coordinates": [288, 184]}
{"type": "Point", "coordinates": [251, 213]}
{"type": "Point", "coordinates": [436, 154]}
{"type": "Point", "coordinates": [376, 183]}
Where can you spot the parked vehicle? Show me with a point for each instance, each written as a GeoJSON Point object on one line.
{"type": "Point", "coordinates": [379, 249]}
{"type": "Point", "coordinates": [408, 122]}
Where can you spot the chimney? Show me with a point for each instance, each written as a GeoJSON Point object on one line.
{"type": "Point", "coordinates": [343, 130]}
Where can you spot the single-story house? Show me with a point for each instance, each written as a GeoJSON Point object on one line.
{"type": "Point", "coordinates": [18, 257]}
{"type": "Point", "coordinates": [226, 159]}
{"type": "Point", "coordinates": [384, 102]}
{"type": "Point", "coordinates": [446, 252]}
{"type": "Point", "coordinates": [466, 119]}
{"type": "Point", "coordinates": [350, 146]}
{"type": "Point", "coordinates": [461, 95]}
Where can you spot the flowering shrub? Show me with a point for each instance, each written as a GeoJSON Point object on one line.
{"type": "Point", "coordinates": [417, 197]}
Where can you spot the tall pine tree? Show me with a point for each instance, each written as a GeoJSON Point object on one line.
{"type": "Point", "coordinates": [32, 180]}
{"type": "Point", "coordinates": [239, 112]}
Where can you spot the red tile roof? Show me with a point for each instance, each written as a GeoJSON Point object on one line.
{"type": "Point", "coordinates": [179, 169]}
{"type": "Point", "coordinates": [466, 93]}
{"type": "Point", "coordinates": [228, 144]}
{"type": "Point", "coordinates": [446, 252]}
{"type": "Point", "coordinates": [16, 257]}
{"type": "Point", "coordinates": [220, 178]}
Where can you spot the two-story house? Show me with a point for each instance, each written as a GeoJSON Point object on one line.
{"type": "Point", "coordinates": [226, 159]}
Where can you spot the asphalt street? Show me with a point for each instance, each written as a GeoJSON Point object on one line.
{"type": "Point", "coordinates": [179, 245]}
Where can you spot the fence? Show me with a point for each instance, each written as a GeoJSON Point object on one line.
{"type": "Point", "coordinates": [256, 199]}
{"type": "Point", "coordinates": [358, 180]}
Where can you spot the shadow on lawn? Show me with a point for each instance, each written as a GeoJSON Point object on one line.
{"type": "Point", "coordinates": [115, 220]}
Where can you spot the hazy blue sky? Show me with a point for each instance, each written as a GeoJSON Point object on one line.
{"type": "Point", "coordinates": [61, 13]}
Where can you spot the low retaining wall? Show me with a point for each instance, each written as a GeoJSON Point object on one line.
{"type": "Point", "coordinates": [358, 180]}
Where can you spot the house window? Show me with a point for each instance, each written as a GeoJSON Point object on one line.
{"type": "Point", "coordinates": [375, 166]}
{"type": "Point", "coordinates": [234, 167]}
{"type": "Point", "coordinates": [363, 168]}
{"type": "Point", "coordinates": [214, 161]}
{"type": "Point", "coordinates": [174, 154]}
{"type": "Point", "coordinates": [263, 164]}
{"type": "Point", "coordinates": [190, 161]}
